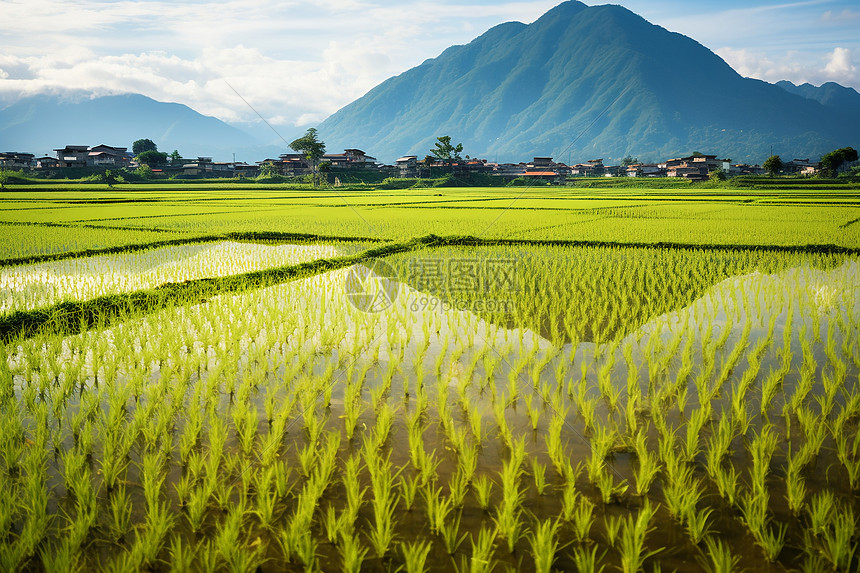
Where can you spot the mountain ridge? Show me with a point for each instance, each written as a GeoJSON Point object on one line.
{"type": "Point", "coordinates": [582, 82]}
{"type": "Point", "coordinates": [43, 122]}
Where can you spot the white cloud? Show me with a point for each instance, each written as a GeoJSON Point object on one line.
{"type": "Point", "coordinates": [836, 66]}
{"type": "Point", "coordinates": [840, 17]}
{"type": "Point", "coordinates": [294, 62]}
{"type": "Point", "coordinates": [840, 64]}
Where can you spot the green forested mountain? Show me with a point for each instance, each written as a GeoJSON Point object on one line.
{"type": "Point", "coordinates": [587, 82]}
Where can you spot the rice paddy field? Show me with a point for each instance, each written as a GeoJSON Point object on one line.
{"type": "Point", "coordinates": [231, 379]}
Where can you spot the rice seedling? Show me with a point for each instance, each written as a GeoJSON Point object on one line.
{"type": "Point", "coordinates": [612, 524]}
{"type": "Point", "coordinates": [408, 490]}
{"type": "Point", "coordinates": [587, 561]}
{"type": "Point", "coordinates": [582, 519]}
{"type": "Point", "coordinates": [183, 556]}
{"type": "Point", "coordinates": [120, 512]}
{"type": "Point", "coordinates": [754, 510]}
{"type": "Point", "coordinates": [822, 508]}
{"type": "Point", "coordinates": [697, 524]}
{"type": "Point", "coordinates": [719, 558]}
{"type": "Point", "coordinates": [610, 491]}
{"type": "Point", "coordinates": [438, 508]}
{"type": "Point", "coordinates": [647, 466]}
{"type": "Point", "coordinates": [415, 556]}
{"type": "Point", "coordinates": [352, 554]}
{"type": "Point", "coordinates": [449, 532]}
{"type": "Point", "coordinates": [508, 517]}
{"type": "Point", "coordinates": [481, 560]}
{"type": "Point", "coordinates": [631, 543]}
{"type": "Point", "coordinates": [539, 475]}
{"type": "Point", "coordinates": [483, 488]}
{"type": "Point", "coordinates": [544, 544]}
{"type": "Point", "coordinates": [837, 544]}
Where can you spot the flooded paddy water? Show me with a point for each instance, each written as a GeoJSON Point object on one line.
{"type": "Point", "coordinates": [489, 408]}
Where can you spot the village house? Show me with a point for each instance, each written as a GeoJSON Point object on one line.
{"type": "Point", "coordinates": [474, 166]}
{"type": "Point", "coordinates": [242, 169]}
{"type": "Point", "coordinates": [98, 156]}
{"type": "Point", "coordinates": [510, 170]}
{"type": "Point", "coordinates": [801, 166]}
{"type": "Point", "coordinates": [108, 156]}
{"type": "Point", "coordinates": [73, 155]}
{"type": "Point", "coordinates": [696, 167]}
{"type": "Point", "coordinates": [350, 159]}
{"type": "Point", "coordinates": [594, 168]}
{"type": "Point", "coordinates": [47, 162]}
{"type": "Point", "coordinates": [744, 169]}
{"type": "Point", "coordinates": [289, 164]}
{"type": "Point", "coordinates": [202, 166]}
{"type": "Point", "coordinates": [545, 175]}
{"type": "Point", "coordinates": [547, 164]}
{"type": "Point", "coordinates": [407, 166]}
{"type": "Point", "coordinates": [645, 170]}
{"type": "Point", "coordinates": [16, 160]}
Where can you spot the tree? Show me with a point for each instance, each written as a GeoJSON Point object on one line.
{"type": "Point", "coordinates": [313, 149]}
{"type": "Point", "coordinates": [628, 161]}
{"type": "Point", "coordinates": [831, 162]}
{"type": "Point", "coordinates": [772, 165]}
{"type": "Point", "coordinates": [109, 177]}
{"type": "Point", "coordinates": [428, 163]}
{"type": "Point", "coordinates": [324, 167]}
{"type": "Point", "coordinates": [268, 169]}
{"type": "Point", "coordinates": [151, 158]}
{"type": "Point", "coordinates": [445, 151]}
{"type": "Point", "coordinates": [142, 145]}
{"type": "Point", "coordinates": [717, 174]}
{"type": "Point", "coordinates": [175, 158]}
{"type": "Point", "coordinates": [144, 172]}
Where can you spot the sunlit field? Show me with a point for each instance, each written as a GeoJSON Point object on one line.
{"type": "Point", "coordinates": [482, 380]}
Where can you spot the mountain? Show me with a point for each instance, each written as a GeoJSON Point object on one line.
{"type": "Point", "coordinates": [845, 101]}
{"type": "Point", "coordinates": [581, 83]}
{"type": "Point", "coordinates": [41, 123]}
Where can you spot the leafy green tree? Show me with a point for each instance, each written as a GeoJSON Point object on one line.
{"type": "Point", "coordinates": [312, 147]}
{"type": "Point", "coordinates": [324, 167]}
{"type": "Point", "coordinates": [717, 174]}
{"type": "Point", "coordinates": [142, 145]}
{"type": "Point", "coordinates": [268, 169]}
{"type": "Point", "coordinates": [773, 165]}
{"type": "Point", "coordinates": [831, 162]}
{"type": "Point", "coordinates": [144, 172]}
{"type": "Point", "coordinates": [175, 157]}
{"type": "Point", "coordinates": [628, 161]}
{"type": "Point", "coordinates": [109, 177]}
{"type": "Point", "coordinates": [445, 151]}
{"type": "Point", "coordinates": [151, 158]}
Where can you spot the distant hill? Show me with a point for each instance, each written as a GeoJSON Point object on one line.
{"type": "Point", "coordinates": [40, 123]}
{"type": "Point", "coordinates": [845, 101]}
{"type": "Point", "coordinates": [589, 82]}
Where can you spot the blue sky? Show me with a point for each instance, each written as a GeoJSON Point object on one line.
{"type": "Point", "coordinates": [297, 62]}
